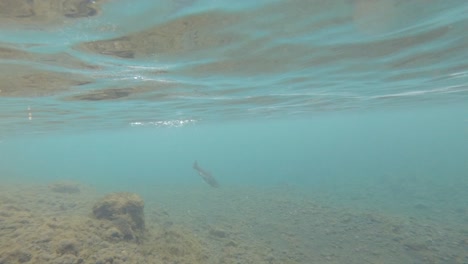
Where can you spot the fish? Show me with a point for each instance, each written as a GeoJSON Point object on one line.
{"type": "Point", "coordinates": [206, 176]}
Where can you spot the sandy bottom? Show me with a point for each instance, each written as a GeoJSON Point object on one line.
{"type": "Point", "coordinates": [196, 224]}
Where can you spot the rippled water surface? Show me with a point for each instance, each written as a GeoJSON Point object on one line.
{"type": "Point", "coordinates": [116, 63]}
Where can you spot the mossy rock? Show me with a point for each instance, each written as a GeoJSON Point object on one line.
{"type": "Point", "coordinates": [125, 211]}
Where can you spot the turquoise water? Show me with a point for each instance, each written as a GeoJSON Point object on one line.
{"type": "Point", "coordinates": [361, 105]}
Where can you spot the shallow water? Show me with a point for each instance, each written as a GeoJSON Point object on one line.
{"type": "Point", "coordinates": [337, 130]}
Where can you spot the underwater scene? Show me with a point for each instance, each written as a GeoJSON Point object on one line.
{"type": "Point", "coordinates": [234, 132]}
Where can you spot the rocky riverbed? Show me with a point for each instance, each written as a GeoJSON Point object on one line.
{"type": "Point", "coordinates": [67, 222]}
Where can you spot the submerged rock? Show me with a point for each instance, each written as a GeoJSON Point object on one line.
{"type": "Point", "coordinates": [68, 246]}
{"type": "Point", "coordinates": [65, 187]}
{"type": "Point", "coordinates": [15, 256]}
{"type": "Point", "coordinates": [125, 212]}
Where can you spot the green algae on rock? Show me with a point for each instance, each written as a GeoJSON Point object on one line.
{"type": "Point", "coordinates": [125, 211]}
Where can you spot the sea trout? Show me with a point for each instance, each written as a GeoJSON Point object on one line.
{"type": "Point", "coordinates": [206, 176]}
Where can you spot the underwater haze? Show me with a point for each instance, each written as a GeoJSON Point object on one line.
{"type": "Point", "coordinates": [207, 131]}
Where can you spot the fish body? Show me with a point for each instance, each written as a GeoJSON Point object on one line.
{"type": "Point", "coordinates": [206, 176]}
